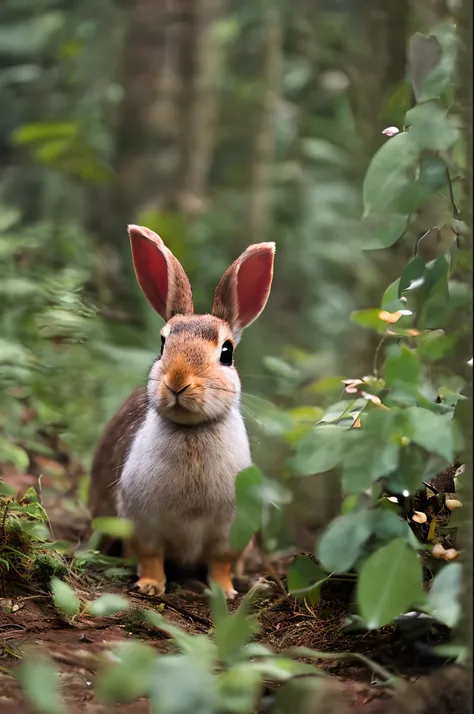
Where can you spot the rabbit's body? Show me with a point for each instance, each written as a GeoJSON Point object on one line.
{"type": "Point", "coordinates": [177, 485]}
{"type": "Point", "coordinates": [168, 460]}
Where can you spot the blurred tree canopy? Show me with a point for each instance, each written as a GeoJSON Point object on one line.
{"type": "Point", "coordinates": [217, 124]}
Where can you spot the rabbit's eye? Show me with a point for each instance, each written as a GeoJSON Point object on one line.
{"type": "Point", "coordinates": [163, 340]}
{"type": "Point", "coordinates": [227, 353]}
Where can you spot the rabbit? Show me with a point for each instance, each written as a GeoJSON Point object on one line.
{"type": "Point", "coordinates": [168, 460]}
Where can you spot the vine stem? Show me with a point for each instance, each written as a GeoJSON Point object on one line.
{"type": "Point", "coordinates": [376, 355]}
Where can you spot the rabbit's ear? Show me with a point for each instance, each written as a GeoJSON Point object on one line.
{"type": "Point", "coordinates": [244, 288]}
{"type": "Point", "coordinates": [159, 274]}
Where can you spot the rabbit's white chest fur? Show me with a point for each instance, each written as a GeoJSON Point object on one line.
{"type": "Point", "coordinates": [177, 485]}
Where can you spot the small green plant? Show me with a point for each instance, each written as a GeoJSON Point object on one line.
{"type": "Point", "coordinates": [392, 431]}
{"type": "Point", "coordinates": [27, 557]}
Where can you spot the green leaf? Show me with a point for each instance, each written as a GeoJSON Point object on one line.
{"type": "Point", "coordinates": [391, 171]}
{"type": "Point", "coordinates": [40, 683]}
{"type": "Point", "coordinates": [233, 631]}
{"type": "Point", "coordinates": [433, 173]}
{"type": "Point", "coordinates": [343, 410]}
{"type": "Point", "coordinates": [131, 675]}
{"type": "Point", "coordinates": [424, 54]}
{"type": "Point", "coordinates": [388, 525]}
{"type": "Point", "coordinates": [390, 299]}
{"type": "Point", "coordinates": [268, 418]}
{"type": "Point", "coordinates": [386, 228]}
{"type": "Point", "coordinates": [116, 527]}
{"type": "Point", "coordinates": [319, 450]}
{"type": "Point", "coordinates": [187, 642]}
{"type": "Point", "coordinates": [402, 370]}
{"type": "Point", "coordinates": [7, 490]}
{"type": "Point", "coordinates": [248, 485]}
{"type": "Point", "coordinates": [413, 275]}
{"type": "Point", "coordinates": [343, 541]}
{"type": "Point", "coordinates": [64, 597]}
{"type": "Point", "coordinates": [408, 478]}
{"type": "Point", "coordinates": [305, 578]}
{"type": "Point", "coordinates": [435, 344]}
{"type": "Point", "coordinates": [180, 684]}
{"type": "Point", "coordinates": [390, 581]}
{"type": "Point", "coordinates": [14, 454]}
{"type": "Point", "coordinates": [444, 598]}
{"type": "Point", "coordinates": [107, 605]}
{"type": "Point", "coordinates": [237, 688]}
{"type": "Point", "coordinates": [373, 451]}
{"type": "Point", "coordinates": [43, 131]}
{"type": "Point", "coordinates": [439, 80]}
{"type": "Point", "coordinates": [432, 431]}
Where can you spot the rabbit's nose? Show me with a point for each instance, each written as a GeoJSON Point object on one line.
{"type": "Point", "coordinates": [177, 390]}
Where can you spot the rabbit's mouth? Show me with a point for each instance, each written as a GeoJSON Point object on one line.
{"type": "Point", "coordinates": [189, 407]}
{"type": "Point", "coordinates": [181, 415]}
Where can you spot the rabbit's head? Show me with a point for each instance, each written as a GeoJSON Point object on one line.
{"type": "Point", "coordinates": [194, 379]}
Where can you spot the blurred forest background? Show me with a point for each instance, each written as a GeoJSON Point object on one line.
{"type": "Point", "coordinates": [216, 123]}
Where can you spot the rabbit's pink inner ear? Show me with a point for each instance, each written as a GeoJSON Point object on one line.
{"type": "Point", "coordinates": [151, 268]}
{"type": "Point", "coordinates": [254, 281]}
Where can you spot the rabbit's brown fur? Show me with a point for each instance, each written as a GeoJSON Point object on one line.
{"type": "Point", "coordinates": [168, 460]}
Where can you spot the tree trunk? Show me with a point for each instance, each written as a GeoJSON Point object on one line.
{"type": "Point", "coordinates": [264, 147]}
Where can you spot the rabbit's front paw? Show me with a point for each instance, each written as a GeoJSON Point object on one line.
{"type": "Point", "coordinates": [148, 586]}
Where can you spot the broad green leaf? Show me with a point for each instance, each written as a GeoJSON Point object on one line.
{"type": "Point", "coordinates": [237, 688]}
{"type": "Point", "coordinates": [402, 370]}
{"type": "Point", "coordinates": [14, 454]}
{"type": "Point", "coordinates": [432, 431]}
{"type": "Point", "coordinates": [305, 578]}
{"type": "Point", "coordinates": [391, 171]}
{"type": "Point", "coordinates": [399, 100]}
{"type": "Point", "coordinates": [388, 525]}
{"type": "Point", "coordinates": [439, 81]}
{"type": "Point", "coordinates": [413, 275]}
{"type": "Point", "coordinates": [408, 478]}
{"type": "Point", "coordinates": [369, 318]}
{"type": "Point", "coordinates": [435, 344]}
{"type": "Point", "coordinates": [370, 452]}
{"type": "Point", "coordinates": [424, 54]}
{"type": "Point", "coordinates": [130, 676]}
{"type": "Point", "coordinates": [248, 494]}
{"type": "Point", "coordinates": [180, 684]}
{"type": "Point", "coordinates": [40, 683]}
{"type": "Point", "coordinates": [107, 605]}
{"type": "Point", "coordinates": [64, 597]}
{"type": "Point", "coordinates": [319, 450]}
{"type": "Point", "coordinates": [390, 581]}
{"type": "Point", "coordinates": [384, 229]}
{"type": "Point", "coordinates": [433, 173]}
{"type": "Point", "coordinates": [116, 527]}
{"type": "Point", "coordinates": [343, 542]}
{"type": "Point", "coordinates": [390, 299]}
{"type": "Point", "coordinates": [431, 128]}
{"type": "Point", "coordinates": [444, 598]}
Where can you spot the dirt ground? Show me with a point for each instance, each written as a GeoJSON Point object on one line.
{"type": "Point", "coordinates": [28, 618]}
